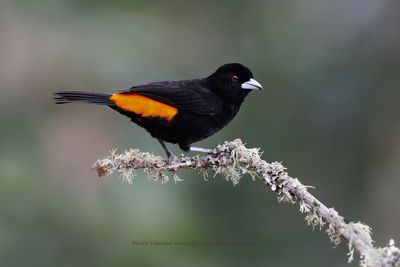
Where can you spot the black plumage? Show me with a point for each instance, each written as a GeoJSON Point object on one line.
{"type": "Point", "coordinates": [179, 112]}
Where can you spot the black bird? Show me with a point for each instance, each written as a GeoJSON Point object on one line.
{"type": "Point", "coordinates": [178, 112]}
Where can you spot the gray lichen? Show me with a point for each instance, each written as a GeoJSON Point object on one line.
{"type": "Point", "coordinates": [233, 160]}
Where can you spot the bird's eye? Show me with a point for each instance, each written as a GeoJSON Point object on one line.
{"type": "Point", "coordinates": [235, 79]}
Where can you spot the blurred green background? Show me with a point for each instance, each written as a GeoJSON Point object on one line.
{"type": "Point", "coordinates": [329, 111]}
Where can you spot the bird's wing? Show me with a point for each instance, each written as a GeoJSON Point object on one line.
{"type": "Point", "coordinates": [190, 96]}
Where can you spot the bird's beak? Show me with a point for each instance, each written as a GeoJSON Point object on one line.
{"type": "Point", "coordinates": [252, 85]}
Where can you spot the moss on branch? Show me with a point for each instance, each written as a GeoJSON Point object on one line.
{"type": "Point", "coordinates": [233, 160]}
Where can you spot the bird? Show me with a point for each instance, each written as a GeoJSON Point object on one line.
{"type": "Point", "coordinates": [181, 111]}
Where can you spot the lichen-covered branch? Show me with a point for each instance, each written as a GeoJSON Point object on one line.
{"type": "Point", "coordinates": [233, 160]}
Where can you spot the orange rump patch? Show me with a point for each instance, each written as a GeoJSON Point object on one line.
{"type": "Point", "coordinates": [143, 106]}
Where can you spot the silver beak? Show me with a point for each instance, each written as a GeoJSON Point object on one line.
{"type": "Point", "coordinates": [252, 85]}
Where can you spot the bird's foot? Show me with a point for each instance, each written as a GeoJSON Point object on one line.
{"type": "Point", "coordinates": [172, 159]}
{"type": "Point", "coordinates": [200, 149]}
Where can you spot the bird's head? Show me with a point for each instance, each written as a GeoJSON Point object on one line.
{"type": "Point", "coordinates": [233, 82]}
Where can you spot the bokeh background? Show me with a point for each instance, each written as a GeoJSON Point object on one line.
{"type": "Point", "coordinates": [329, 111]}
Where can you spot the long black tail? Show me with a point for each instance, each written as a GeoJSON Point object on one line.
{"type": "Point", "coordinates": [64, 97]}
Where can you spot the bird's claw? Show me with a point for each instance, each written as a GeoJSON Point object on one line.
{"type": "Point", "coordinates": [172, 159]}
{"type": "Point", "coordinates": [200, 149]}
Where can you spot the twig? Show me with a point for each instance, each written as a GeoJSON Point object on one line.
{"type": "Point", "coordinates": [233, 160]}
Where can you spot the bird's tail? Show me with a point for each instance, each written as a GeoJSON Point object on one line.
{"type": "Point", "coordinates": [64, 97]}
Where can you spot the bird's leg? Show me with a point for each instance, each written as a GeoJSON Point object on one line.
{"type": "Point", "coordinates": [171, 157]}
{"type": "Point", "coordinates": [200, 149]}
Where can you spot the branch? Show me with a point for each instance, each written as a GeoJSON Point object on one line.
{"type": "Point", "coordinates": [233, 160]}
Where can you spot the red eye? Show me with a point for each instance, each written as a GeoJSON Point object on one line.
{"type": "Point", "coordinates": [235, 79]}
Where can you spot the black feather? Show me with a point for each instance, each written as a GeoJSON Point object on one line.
{"type": "Point", "coordinates": [64, 97]}
{"type": "Point", "coordinates": [203, 106]}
